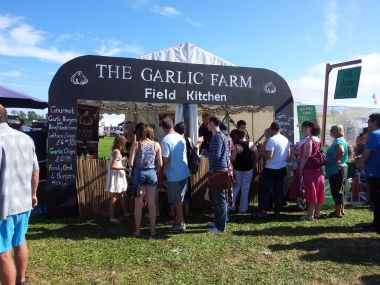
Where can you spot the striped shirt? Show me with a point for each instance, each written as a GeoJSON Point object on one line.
{"type": "Point", "coordinates": [219, 153]}
{"type": "Point", "coordinates": [17, 162]}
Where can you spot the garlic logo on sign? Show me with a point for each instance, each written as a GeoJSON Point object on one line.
{"type": "Point", "coordinates": [78, 78]}
{"type": "Point", "coordinates": [270, 88]}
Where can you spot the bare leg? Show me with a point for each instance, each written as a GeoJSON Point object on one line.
{"type": "Point", "coordinates": [179, 213]}
{"type": "Point", "coordinates": [318, 208]}
{"type": "Point", "coordinates": [310, 210]}
{"type": "Point", "coordinates": [21, 259]}
{"type": "Point", "coordinates": [338, 210]}
{"type": "Point", "coordinates": [123, 203]}
{"type": "Point", "coordinates": [7, 268]}
{"type": "Point", "coordinates": [138, 213]}
{"type": "Point", "coordinates": [172, 210]}
{"type": "Point", "coordinates": [112, 205]}
{"type": "Point", "coordinates": [151, 197]}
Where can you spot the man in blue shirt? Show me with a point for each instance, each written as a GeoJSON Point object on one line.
{"type": "Point", "coordinates": [175, 168]}
{"type": "Point", "coordinates": [371, 160]}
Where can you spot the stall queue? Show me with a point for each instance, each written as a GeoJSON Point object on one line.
{"type": "Point", "coordinates": [232, 161]}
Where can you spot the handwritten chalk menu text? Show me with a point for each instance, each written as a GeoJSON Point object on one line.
{"type": "Point", "coordinates": [62, 145]}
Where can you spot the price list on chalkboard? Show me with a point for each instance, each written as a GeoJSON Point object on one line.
{"type": "Point", "coordinates": [62, 146]}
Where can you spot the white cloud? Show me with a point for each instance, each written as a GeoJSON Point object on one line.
{"type": "Point", "coordinates": [109, 49]}
{"type": "Point", "coordinates": [194, 23]}
{"type": "Point", "coordinates": [166, 11]}
{"type": "Point", "coordinates": [112, 48]}
{"type": "Point", "coordinates": [330, 25]}
{"type": "Point", "coordinates": [10, 73]}
{"type": "Point", "coordinates": [20, 39]}
{"type": "Point", "coordinates": [309, 88]}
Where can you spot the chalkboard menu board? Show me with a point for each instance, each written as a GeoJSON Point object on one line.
{"type": "Point", "coordinates": [62, 145]}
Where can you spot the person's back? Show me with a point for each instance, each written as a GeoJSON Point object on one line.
{"type": "Point", "coordinates": [174, 147]}
{"type": "Point", "coordinates": [18, 161]}
{"type": "Point", "coordinates": [280, 146]}
{"type": "Point", "coordinates": [146, 156]}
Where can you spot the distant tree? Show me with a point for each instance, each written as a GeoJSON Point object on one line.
{"type": "Point", "coordinates": [22, 115]}
{"type": "Point", "coordinates": [100, 117]}
{"type": "Point", "coordinates": [14, 112]}
{"type": "Point", "coordinates": [32, 116]}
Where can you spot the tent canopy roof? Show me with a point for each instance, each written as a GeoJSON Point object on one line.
{"type": "Point", "coordinates": [186, 53]}
{"type": "Point", "coordinates": [10, 98]}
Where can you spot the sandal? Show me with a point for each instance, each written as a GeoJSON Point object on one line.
{"type": "Point", "coordinates": [136, 235]}
{"type": "Point", "coordinates": [334, 215]}
{"type": "Point", "coordinates": [114, 221]}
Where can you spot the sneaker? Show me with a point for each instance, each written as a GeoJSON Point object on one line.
{"type": "Point", "coordinates": [307, 218]}
{"type": "Point", "coordinates": [214, 230]}
{"type": "Point", "coordinates": [179, 228]}
{"type": "Point", "coordinates": [211, 224]}
{"type": "Point", "coordinates": [114, 221]}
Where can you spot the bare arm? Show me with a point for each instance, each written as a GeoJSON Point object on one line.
{"type": "Point", "coordinates": [158, 155]}
{"type": "Point", "coordinates": [339, 152]}
{"type": "Point", "coordinates": [363, 158]}
{"type": "Point", "coordinates": [35, 181]}
{"type": "Point", "coordinates": [115, 156]}
{"type": "Point", "coordinates": [235, 151]}
{"type": "Point", "coordinates": [306, 154]}
{"type": "Point", "coordinates": [132, 154]}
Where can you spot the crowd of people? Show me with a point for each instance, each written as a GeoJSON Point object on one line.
{"type": "Point", "coordinates": [236, 154]}
{"type": "Point", "coordinates": [138, 154]}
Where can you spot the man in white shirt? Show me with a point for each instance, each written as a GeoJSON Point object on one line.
{"type": "Point", "coordinates": [19, 176]}
{"type": "Point", "coordinates": [276, 152]}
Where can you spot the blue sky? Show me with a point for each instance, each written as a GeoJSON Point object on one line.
{"type": "Point", "coordinates": [294, 38]}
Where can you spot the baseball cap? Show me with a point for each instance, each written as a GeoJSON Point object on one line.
{"type": "Point", "coordinates": [275, 126]}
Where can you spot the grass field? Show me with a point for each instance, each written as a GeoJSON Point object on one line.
{"type": "Point", "coordinates": [287, 251]}
{"type": "Point", "coordinates": [105, 147]}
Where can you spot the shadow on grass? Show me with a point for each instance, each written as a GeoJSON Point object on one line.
{"type": "Point", "coordinates": [357, 251]}
{"type": "Point", "coordinates": [370, 279]}
{"type": "Point", "coordinates": [299, 231]}
{"type": "Point", "coordinates": [100, 228]}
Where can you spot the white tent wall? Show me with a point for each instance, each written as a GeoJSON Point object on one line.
{"type": "Point", "coordinates": [187, 53]}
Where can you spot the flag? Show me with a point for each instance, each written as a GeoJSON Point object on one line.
{"type": "Point", "coordinates": [374, 99]}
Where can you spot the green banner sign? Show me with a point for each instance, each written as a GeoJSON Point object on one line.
{"type": "Point", "coordinates": [347, 83]}
{"type": "Point", "coordinates": [305, 113]}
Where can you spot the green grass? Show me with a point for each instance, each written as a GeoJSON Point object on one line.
{"type": "Point", "coordinates": [288, 251]}
{"type": "Point", "coordinates": [105, 147]}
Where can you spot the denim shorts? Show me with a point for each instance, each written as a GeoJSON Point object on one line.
{"type": "Point", "coordinates": [144, 177]}
{"type": "Point", "coordinates": [13, 230]}
{"type": "Point", "coordinates": [176, 191]}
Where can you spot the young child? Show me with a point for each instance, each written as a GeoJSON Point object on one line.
{"type": "Point", "coordinates": [116, 178]}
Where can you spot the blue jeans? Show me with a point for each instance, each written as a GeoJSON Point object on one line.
{"type": "Point", "coordinates": [219, 199]}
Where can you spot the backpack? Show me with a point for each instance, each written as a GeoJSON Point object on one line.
{"type": "Point", "coordinates": [193, 159]}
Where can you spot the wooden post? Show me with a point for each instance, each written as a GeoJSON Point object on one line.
{"type": "Point", "coordinates": [330, 67]}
